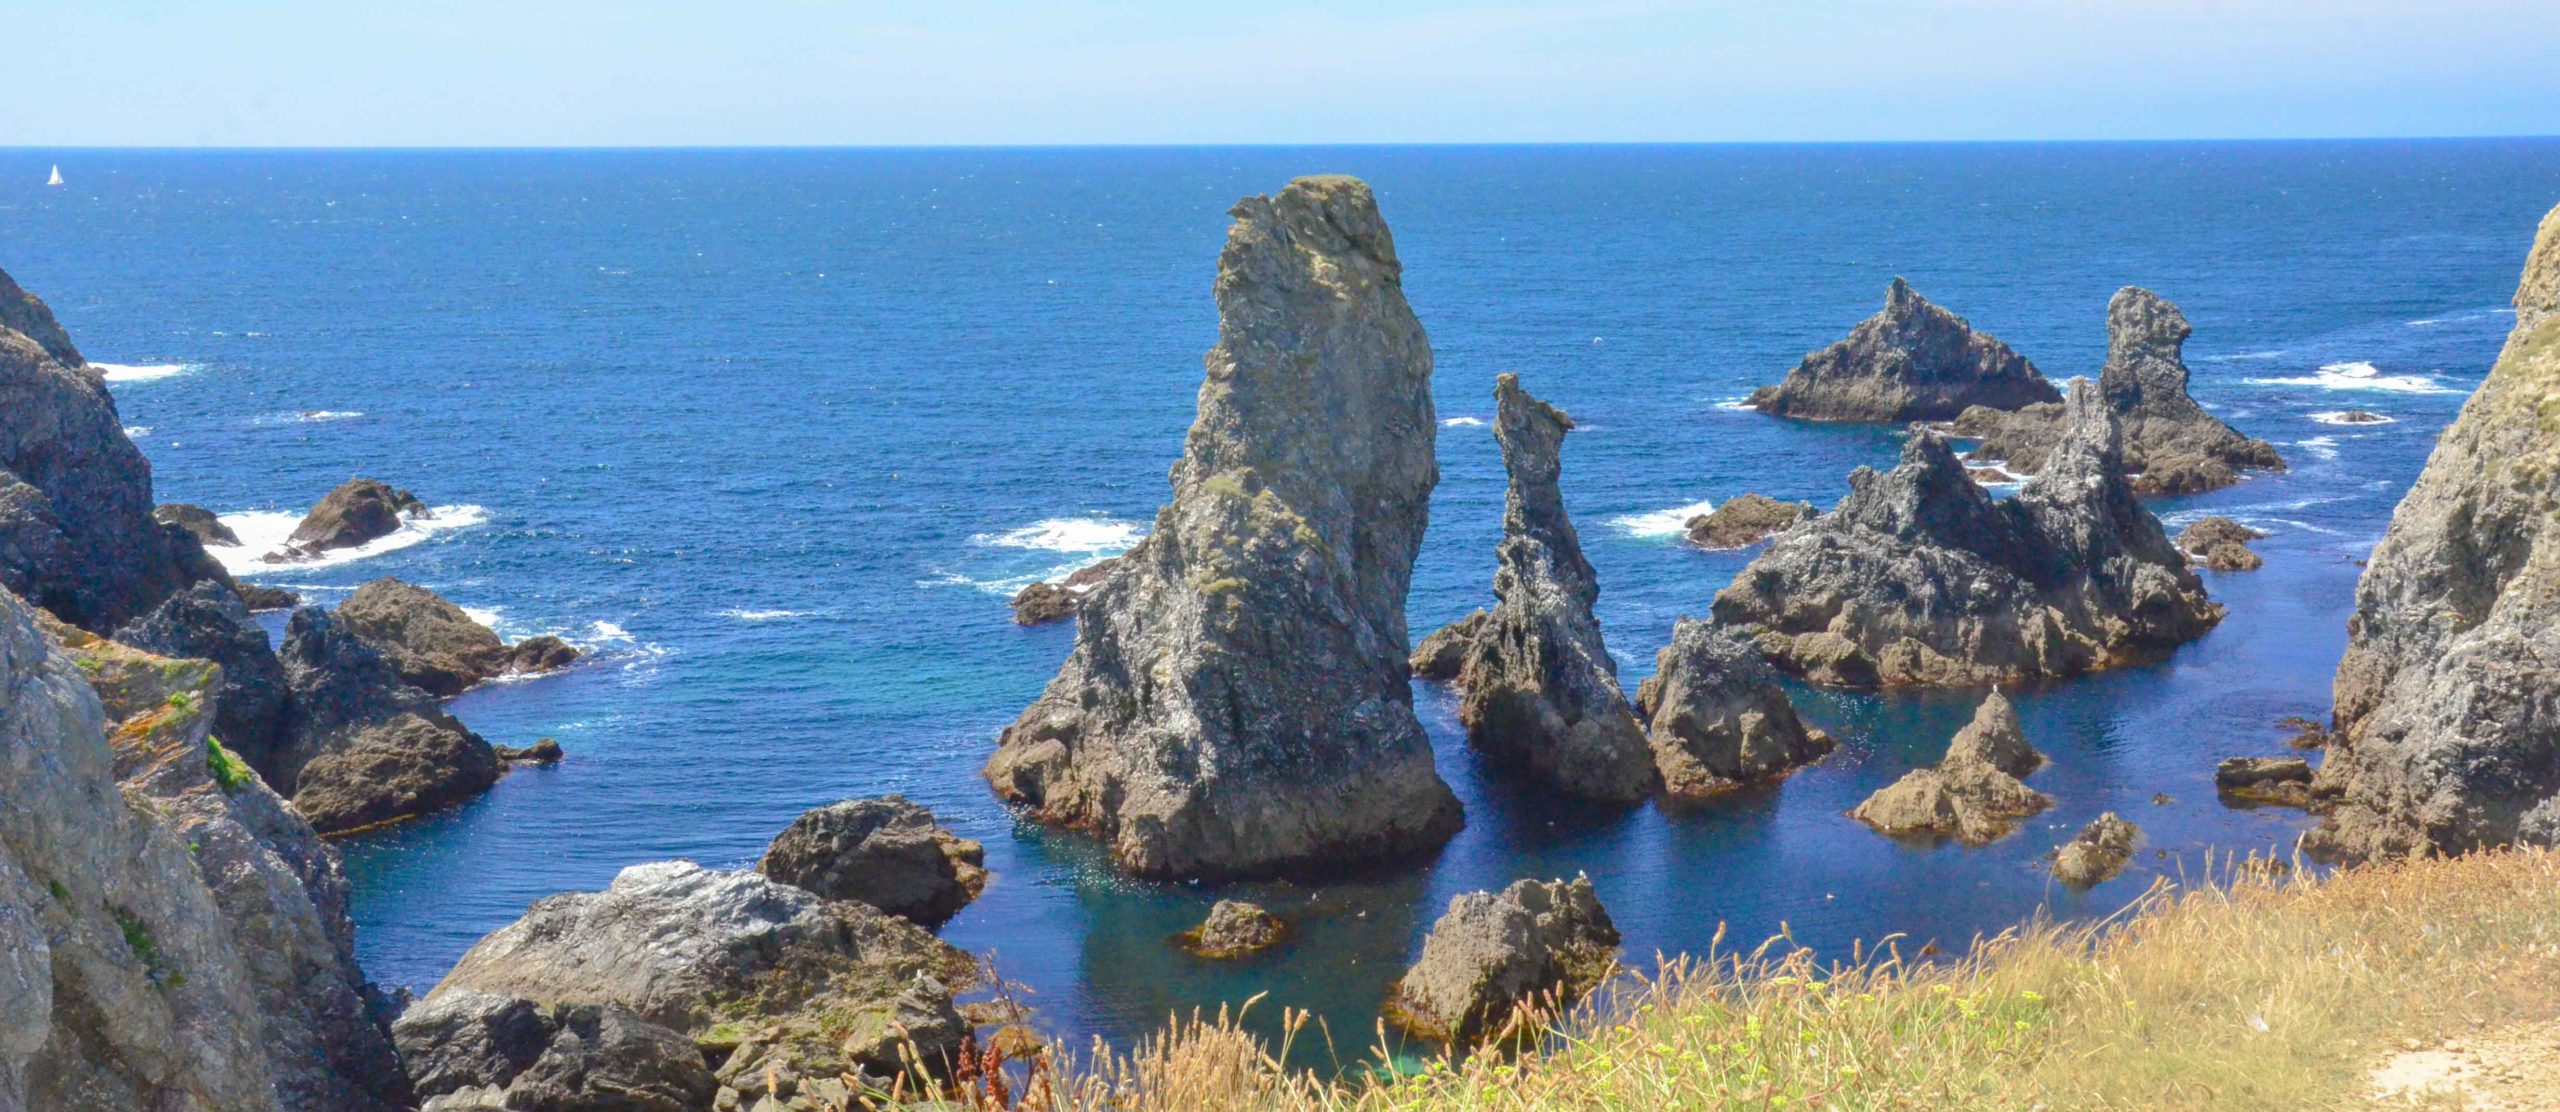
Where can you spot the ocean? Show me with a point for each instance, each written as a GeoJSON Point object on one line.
{"type": "Point", "coordinates": [776, 433]}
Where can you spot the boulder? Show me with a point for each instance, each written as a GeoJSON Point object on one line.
{"type": "Point", "coordinates": [199, 522]}
{"type": "Point", "coordinates": [209, 622]}
{"type": "Point", "coordinates": [2097, 853]}
{"type": "Point", "coordinates": [258, 598]}
{"type": "Point", "coordinates": [1717, 719]}
{"type": "Point", "coordinates": [541, 653]}
{"type": "Point", "coordinates": [1237, 700]}
{"type": "Point", "coordinates": [1920, 578]}
{"type": "Point", "coordinates": [1974, 795]}
{"type": "Point", "coordinates": [1233, 929]}
{"type": "Point", "coordinates": [544, 751]}
{"type": "Point", "coordinates": [885, 852]}
{"type": "Point", "coordinates": [363, 748]}
{"type": "Point", "coordinates": [2443, 727]}
{"type": "Point", "coordinates": [359, 512]}
{"type": "Point", "coordinates": [2282, 781]}
{"type": "Point", "coordinates": [1049, 602]}
{"type": "Point", "coordinates": [1443, 654]}
{"type": "Point", "coordinates": [2359, 417]}
{"type": "Point", "coordinates": [1911, 362]}
{"type": "Point", "coordinates": [432, 643]}
{"type": "Point", "coordinates": [2221, 544]}
{"type": "Point", "coordinates": [1746, 520]}
{"type": "Point", "coordinates": [2170, 444]}
{"type": "Point", "coordinates": [1539, 692]}
{"type": "Point", "coordinates": [1494, 959]}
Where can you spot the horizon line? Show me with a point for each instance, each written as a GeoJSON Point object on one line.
{"type": "Point", "coordinates": [1278, 145]}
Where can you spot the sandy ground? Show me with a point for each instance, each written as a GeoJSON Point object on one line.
{"type": "Point", "coordinates": [2507, 1069]}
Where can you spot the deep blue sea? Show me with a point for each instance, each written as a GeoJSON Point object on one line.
{"type": "Point", "coordinates": [776, 433]}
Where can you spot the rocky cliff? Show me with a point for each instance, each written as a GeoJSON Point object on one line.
{"type": "Point", "coordinates": [1920, 578]}
{"type": "Point", "coordinates": [1911, 362]}
{"type": "Point", "coordinates": [2170, 443]}
{"type": "Point", "coordinates": [1236, 702]}
{"type": "Point", "coordinates": [2446, 720]}
{"type": "Point", "coordinates": [361, 747]}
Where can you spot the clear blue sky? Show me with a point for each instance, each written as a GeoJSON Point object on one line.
{"type": "Point", "coordinates": [635, 72]}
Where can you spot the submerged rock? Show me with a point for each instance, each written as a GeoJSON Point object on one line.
{"type": "Point", "coordinates": [1746, 520]}
{"type": "Point", "coordinates": [1233, 929]}
{"type": "Point", "coordinates": [360, 511]}
{"type": "Point", "coordinates": [2359, 417]}
{"type": "Point", "coordinates": [2097, 853]}
{"type": "Point", "coordinates": [2170, 443]}
{"type": "Point", "coordinates": [362, 747]}
{"type": "Point", "coordinates": [885, 852]}
{"type": "Point", "coordinates": [1539, 690]}
{"type": "Point", "coordinates": [199, 522]}
{"type": "Point", "coordinates": [1537, 944]}
{"type": "Point", "coordinates": [1918, 577]}
{"type": "Point", "coordinates": [1237, 700]}
{"type": "Point", "coordinates": [2221, 544]}
{"type": "Point", "coordinates": [2442, 739]}
{"type": "Point", "coordinates": [1974, 795]}
{"type": "Point", "coordinates": [1717, 719]}
{"type": "Point", "coordinates": [2282, 781]}
{"type": "Point", "coordinates": [1443, 654]}
{"type": "Point", "coordinates": [208, 622]}
{"type": "Point", "coordinates": [1912, 362]}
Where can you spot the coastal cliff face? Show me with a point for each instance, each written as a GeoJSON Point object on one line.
{"type": "Point", "coordinates": [1236, 702]}
{"type": "Point", "coordinates": [1540, 693]}
{"type": "Point", "coordinates": [2447, 729]}
{"type": "Point", "coordinates": [2170, 443]}
{"type": "Point", "coordinates": [1918, 577]}
{"type": "Point", "coordinates": [1913, 361]}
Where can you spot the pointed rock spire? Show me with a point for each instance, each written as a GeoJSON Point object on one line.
{"type": "Point", "coordinates": [1911, 362]}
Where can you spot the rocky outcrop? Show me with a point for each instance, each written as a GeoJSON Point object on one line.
{"type": "Point", "coordinates": [2097, 853]}
{"type": "Point", "coordinates": [1918, 577]}
{"type": "Point", "coordinates": [781, 987]}
{"type": "Point", "coordinates": [1912, 362]}
{"type": "Point", "coordinates": [1049, 602]}
{"type": "Point", "coordinates": [437, 646]}
{"type": "Point", "coordinates": [885, 852]}
{"type": "Point", "coordinates": [2221, 544]}
{"type": "Point", "coordinates": [1237, 699]}
{"type": "Point", "coordinates": [1974, 795]}
{"type": "Point", "coordinates": [258, 598]}
{"type": "Point", "coordinates": [1233, 929]}
{"type": "Point", "coordinates": [1746, 520]}
{"type": "Point", "coordinates": [76, 532]}
{"type": "Point", "coordinates": [2282, 781]}
{"type": "Point", "coordinates": [208, 622]}
{"type": "Point", "coordinates": [358, 512]}
{"type": "Point", "coordinates": [2359, 417]}
{"type": "Point", "coordinates": [1443, 654]}
{"type": "Point", "coordinates": [2442, 738]}
{"type": "Point", "coordinates": [544, 751]}
{"type": "Point", "coordinates": [199, 522]}
{"type": "Point", "coordinates": [1536, 944]}
{"type": "Point", "coordinates": [363, 748]}
{"type": "Point", "coordinates": [2170, 443]}
{"type": "Point", "coordinates": [1717, 719]}
{"type": "Point", "coordinates": [1539, 690]}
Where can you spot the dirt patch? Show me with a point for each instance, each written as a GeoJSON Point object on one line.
{"type": "Point", "coordinates": [2509, 1068]}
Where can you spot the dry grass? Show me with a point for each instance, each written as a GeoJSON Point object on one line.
{"type": "Point", "coordinates": [2260, 993]}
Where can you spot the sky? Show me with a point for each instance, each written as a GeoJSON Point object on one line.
{"type": "Point", "coordinates": [956, 72]}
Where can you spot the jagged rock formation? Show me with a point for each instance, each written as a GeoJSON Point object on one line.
{"type": "Point", "coordinates": [1237, 702]}
{"type": "Point", "coordinates": [257, 598]}
{"type": "Point", "coordinates": [1920, 578]}
{"type": "Point", "coordinates": [1717, 719]}
{"type": "Point", "coordinates": [885, 852]}
{"type": "Point", "coordinates": [783, 988]}
{"type": "Point", "coordinates": [1050, 602]}
{"type": "Point", "coordinates": [2097, 853]}
{"type": "Point", "coordinates": [1975, 794]}
{"type": "Point", "coordinates": [208, 622]}
{"type": "Point", "coordinates": [363, 748]}
{"type": "Point", "coordinates": [1540, 693]}
{"type": "Point", "coordinates": [1536, 943]}
{"type": "Point", "coordinates": [1912, 362]}
{"type": "Point", "coordinates": [2443, 731]}
{"type": "Point", "coordinates": [1443, 654]}
{"type": "Point", "coordinates": [358, 512]}
{"type": "Point", "coordinates": [2221, 544]}
{"type": "Point", "coordinates": [435, 645]}
{"type": "Point", "coordinates": [1746, 520]}
{"type": "Point", "coordinates": [1233, 929]}
{"type": "Point", "coordinates": [2171, 444]}
{"type": "Point", "coordinates": [76, 532]}
{"type": "Point", "coordinates": [199, 522]}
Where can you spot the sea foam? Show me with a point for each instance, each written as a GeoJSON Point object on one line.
{"type": "Point", "coordinates": [148, 372]}
{"type": "Point", "coordinates": [2339, 417]}
{"type": "Point", "coordinates": [2359, 375]}
{"type": "Point", "coordinates": [1661, 523]}
{"type": "Point", "coordinates": [1085, 535]}
{"type": "Point", "coordinates": [1462, 422]}
{"type": "Point", "coordinates": [265, 531]}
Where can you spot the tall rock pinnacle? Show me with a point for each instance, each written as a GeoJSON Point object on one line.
{"type": "Point", "coordinates": [1236, 703]}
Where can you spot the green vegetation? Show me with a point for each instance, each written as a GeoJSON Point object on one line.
{"type": "Point", "coordinates": [228, 769]}
{"type": "Point", "coordinates": [61, 894]}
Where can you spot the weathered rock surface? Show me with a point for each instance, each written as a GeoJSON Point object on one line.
{"type": "Point", "coordinates": [1975, 794]}
{"type": "Point", "coordinates": [2444, 727]}
{"type": "Point", "coordinates": [792, 986]}
{"type": "Point", "coordinates": [437, 646]}
{"type": "Point", "coordinates": [358, 512]}
{"type": "Point", "coordinates": [2282, 781]}
{"type": "Point", "coordinates": [1539, 691]}
{"type": "Point", "coordinates": [885, 852]}
{"type": "Point", "coordinates": [1717, 719]}
{"type": "Point", "coordinates": [363, 748]}
{"type": "Point", "coordinates": [199, 522]}
{"type": "Point", "coordinates": [1537, 943]}
{"type": "Point", "coordinates": [76, 532]}
{"type": "Point", "coordinates": [208, 622]}
{"type": "Point", "coordinates": [2221, 544]}
{"type": "Point", "coordinates": [1050, 602]}
{"type": "Point", "coordinates": [1746, 520]}
{"type": "Point", "coordinates": [1237, 701]}
{"type": "Point", "coordinates": [258, 598]}
{"type": "Point", "coordinates": [1443, 654]}
{"type": "Point", "coordinates": [2097, 853]}
{"type": "Point", "coordinates": [543, 751]}
{"type": "Point", "coordinates": [2360, 417]}
{"type": "Point", "coordinates": [1233, 929]}
{"type": "Point", "coordinates": [2170, 443]}
{"type": "Point", "coordinates": [1918, 577]}
{"type": "Point", "coordinates": [540, 653]}
{"type": "Point", "coordinates": [1912, 362]}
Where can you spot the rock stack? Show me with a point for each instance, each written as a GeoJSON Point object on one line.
{"type": "Point", "coordinates": [1717, 719]}
{"type": "Point", "coordinates": [2442, 739]}
{"type": "Point", "coordinates": [1237, 699]}
{"type": "Point", "coordinates": [1498, 965]}
{"type": "Point", "coordinates": [1918, 577]}
{"type": "Point", "coordinates": [1912, 362]}
{"type": "Point", "coordinates": [885, 852]}
{"type": "Point", "coordinates": [1976, 794]}
{"type": "Point", "coordinates": [363, 748]}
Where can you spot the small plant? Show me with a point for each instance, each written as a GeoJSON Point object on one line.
{"type": "Point", "coordinates": [61, 894]}
{"type": "Point", "coordinates": [137, 937]}
{"type": "Point", "coordinates": [228, 769]}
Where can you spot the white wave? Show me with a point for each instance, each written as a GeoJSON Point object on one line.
{"type": "Point", "coordinates": [1007, 586]}
{"type": "Point", "coordinates": [2359, 375]}
{"type": "Point", "coordinates": [485, 615]}
{"type": "Point", "coordinates": [146, 372]}
{"type": "Point", "coordinates": [327, 415]}
{"type": "Point", "coordinates": [136, 432]}
{"type": "Point", "coordinates": [1086, 535]}
{"type": "Point", "coordinates": [2339, 417]}
{"type": "Point", "coordinates": [1661, 523]}
{"type": "Point", "coordinates": [764, 615]}
{"type": "Point", "coordinates": [2320, 447]}
{"type": "Point", "coordinates": [2424, 323]}
{"type": "Point", "coordinates": [608, 631]}
{"type": "Point", "coordinates": [2242, 357]}
{"type": "Point", "coordinates": [1463, 422]}
{"type": "Point", "coordinates": [265, 531]}
{"type": "Point", "coordinates": [1993, 475]}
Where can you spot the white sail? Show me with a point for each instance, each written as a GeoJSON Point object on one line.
{"type": "Point", "coordinates": [57, 176]}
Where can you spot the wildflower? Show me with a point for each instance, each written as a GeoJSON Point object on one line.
{"type": "Point", "coordinates": [2031, 996]}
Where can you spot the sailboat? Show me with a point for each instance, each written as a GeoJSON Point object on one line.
{"type": "Point", "coordinates": [57, 177]}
